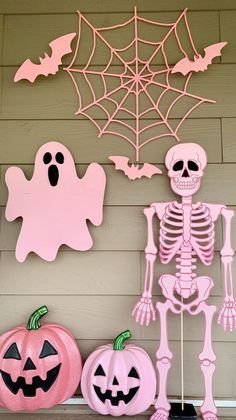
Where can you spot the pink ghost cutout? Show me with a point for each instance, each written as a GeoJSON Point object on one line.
{"type": "Point", "coordinates": [55, 204]}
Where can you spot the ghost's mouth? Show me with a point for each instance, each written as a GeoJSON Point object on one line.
{"type": "Point", "coordinates": [29, 390]}
{"type": "Point", "coordinates": [53, 175]}
{"type": "Point", "coordinates": [119, 397]}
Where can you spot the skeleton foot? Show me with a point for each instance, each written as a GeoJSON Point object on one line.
{"type": "Point", "coordinates": [209, 416]}
{"type": "Point", "coordinates": [160, 415]}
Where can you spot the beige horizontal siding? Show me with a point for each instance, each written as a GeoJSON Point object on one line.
{"type": "Point", "coordinates": [228, 28]}
{"type": "Point", "coordinates": [47, 27]}
{"type": "Point", "coordinates": [129, 234]}
{"type": "Point", "coordinates": [93, 293]}
{"type": "Point", "coordinates": [20, 140]}
{"type": "Point", "coordinates": [121, 192]}
{"type": "Point", "coordinates": [229, 144]}
{"type": "Point", "coordinates": [98, 317]}
{"type": "Point", "coordinates": [59, 6]}
{"type": "Point", "coordinates": [55, 97]}
{"type": "Point", "coordinates": [122, 268]}
{"type": "Point", "coordinates": [72, 273]}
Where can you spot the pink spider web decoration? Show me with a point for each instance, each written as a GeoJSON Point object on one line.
{"type": "Point", "coordinates": [142, 88]}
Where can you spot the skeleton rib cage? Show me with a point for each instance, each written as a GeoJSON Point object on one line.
{"type": "Point", "coordinates": [200, 244]}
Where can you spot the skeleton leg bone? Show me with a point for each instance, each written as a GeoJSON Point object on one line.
{"type": "Point", "coordinates": [207, 358]}
{"type": "Point", "coordinates": [163, 364]}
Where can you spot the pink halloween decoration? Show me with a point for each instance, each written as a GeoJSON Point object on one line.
{"type": "Point", "coordinates": [187, 232]}
{"type": "Point", "coordinates": [118, 379]}
{"type": "Point", "coordinates": [122, 100]}
{"type": "Point", "coordinates": [140, 88]}
{"type": "Point", "coordinates": [133, 171]}
{"type": "Point", "coordinates": [40, 365]}
{"type": "Point", "coordinates": [48, 65]}
{"type": "Point", "coordinates": [200, 63]}
{"type": "Point", "coordinates": [55, 204]}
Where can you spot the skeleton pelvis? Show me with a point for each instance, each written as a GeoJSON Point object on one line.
{"type": "Point", "coordinates": [201, 291]}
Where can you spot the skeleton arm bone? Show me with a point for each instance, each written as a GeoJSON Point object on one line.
{"type": "Point", "coordinates": [144, 310]}
{"type": "Point", "coordinates": [227, 317]}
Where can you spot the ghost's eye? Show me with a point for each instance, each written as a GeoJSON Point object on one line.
{"type": "Point", "coordinates": [59, 158]}
{"type": "Point", "coordinates": [47, 158]}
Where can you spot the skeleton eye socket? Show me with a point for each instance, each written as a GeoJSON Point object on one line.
{"type": "Point", "coordinates": [99, 371]}
{"type": "Point", "coordinates": [59, 158]}
{"type": "Point", "coordinates": [192, 166]}
{"type": "Point", "coordinates": [47, 158]}
{"type": "Point", "coordinates": [12, 352]}
{"type": "Point", "coordinates": [178, 165]}
{"type": "Point", "coordinates": [133, 373]}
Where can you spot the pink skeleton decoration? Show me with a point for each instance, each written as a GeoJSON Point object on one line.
{"type": "Point", "coordinates": [55, 204]}
{"type": "Point", "coordinates": [187, 232]}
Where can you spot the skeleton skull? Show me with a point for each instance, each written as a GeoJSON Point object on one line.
{"type": "Point", "coordinates": [185, 164]}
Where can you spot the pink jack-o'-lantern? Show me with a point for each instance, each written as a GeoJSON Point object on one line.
{"type": "Point", "coordinates": [118, 379]}
{"type": "Point", "coordinates": [40, 365]}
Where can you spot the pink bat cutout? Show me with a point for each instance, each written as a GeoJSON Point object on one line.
{"type": "Point", "coordinates": [140, 88]}
{"type": "Point", "coordinates": [55, 204]}
{"type": "Point", "coordinates": [134, 171]}
{"type": "Point", "coordinates": [200, 63]}
{"type": "Point", "coordinates": [187, 233]}
{"type": "Point", "coordinates": [48, 65]}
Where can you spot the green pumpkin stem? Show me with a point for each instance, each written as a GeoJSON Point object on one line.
{"type": "Point", "coordinates": [119, 340]}
{"type": "Point", "coordinates": [33, 323]}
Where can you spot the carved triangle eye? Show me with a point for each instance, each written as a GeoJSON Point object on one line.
{"type": "Point", "coordinates": [47, 350]}
{"type": "Point", "coordinates": [99, 371]}
{"type": "Point", "coordinates": [12, 353]}
{"type": "Point", "coordinates": [133, 373]}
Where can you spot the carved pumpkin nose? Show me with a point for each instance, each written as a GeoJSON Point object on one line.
{"type": "Point", "coordinates": [29, 365]}
{"type": "Point", "coordinates": [185, 174]}
{"type": "Point", "coordinates": [115, 382]}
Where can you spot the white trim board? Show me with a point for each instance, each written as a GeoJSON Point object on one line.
{"type": "Point", "coordinates": [196, 403]}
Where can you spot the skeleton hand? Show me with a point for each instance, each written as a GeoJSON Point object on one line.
{"type": "Point", "coordinates": [144, 311]}
{"type": "Point", "coordinates": [227, 317]}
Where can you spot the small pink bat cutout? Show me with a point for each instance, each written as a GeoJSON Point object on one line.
{"type": "Point", "coordinates": [134, 172]}
{"type": "Point", "coordinates": [185, 65]}
{"type": "Point", "coordinates": [55, 203]}
{"type": "Point", "coordinates": [48, 65]}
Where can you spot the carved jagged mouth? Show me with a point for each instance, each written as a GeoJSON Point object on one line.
{"type": "Point", "coordinates": [119, 397]}
{"type": "Point", "coordinates": [186, 185]}
{"type": "Point", "coordinates": [29, 390]}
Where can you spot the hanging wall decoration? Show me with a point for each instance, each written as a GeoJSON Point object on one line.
{"type": "Point", "coordinates": [55, 204]}
{"type": "Point", "coordinates": [119, 379]}
{"type": "Point", "coordinates": [40, 365]}
{"type": "Point", "coordinates": [48, 65]}
{"type": "Point", "coordinates": [187, 233]}
{"type": "Point", "coordinates": [137, 92]}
